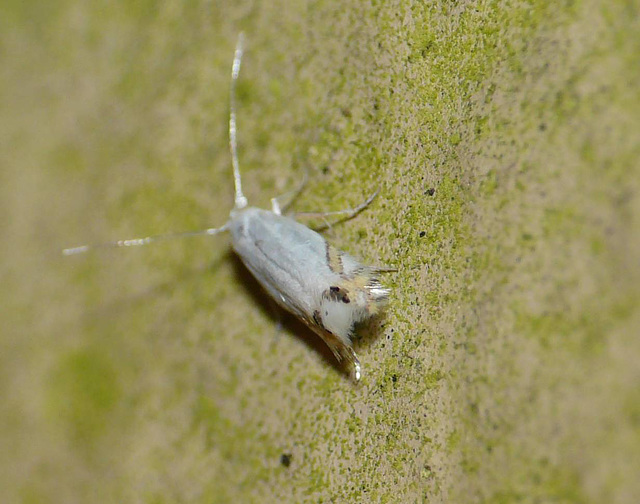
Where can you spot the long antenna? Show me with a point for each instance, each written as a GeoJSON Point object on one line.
{"type": "Point", "coordinates": [240, 200]}
{"type": "Point", "coordinates": [137, 242]}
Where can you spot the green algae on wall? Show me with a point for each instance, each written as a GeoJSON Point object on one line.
{"type": "Point", "coordinates": [503, 137]}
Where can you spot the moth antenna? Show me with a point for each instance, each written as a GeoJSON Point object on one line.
{"type": "Point", "coordinates": [240, 200]}
{"type": "Point", "coordinates": [137, 242]}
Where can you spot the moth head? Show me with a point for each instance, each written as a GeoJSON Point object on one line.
{"type": "Point", "coordinates": [351, 301]}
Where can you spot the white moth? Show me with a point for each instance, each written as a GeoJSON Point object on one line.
{"type": "Point", "coordinates": [327, 289]}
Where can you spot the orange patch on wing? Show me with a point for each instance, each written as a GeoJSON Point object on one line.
{"type": "Point", "coordinates": [334, 259]}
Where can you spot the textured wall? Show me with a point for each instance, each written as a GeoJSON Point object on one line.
{"type": "Point", "coordinates": [504, 139]}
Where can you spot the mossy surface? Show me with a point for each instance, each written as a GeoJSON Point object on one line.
{"type": "Point", "coordinates": [504, 139]}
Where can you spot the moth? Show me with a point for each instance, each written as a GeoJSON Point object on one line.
{"type": "Point", "coordinates": [329, 290]}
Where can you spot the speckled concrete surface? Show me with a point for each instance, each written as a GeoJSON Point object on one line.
{"type": "Point", "coordinates": [504, 139]}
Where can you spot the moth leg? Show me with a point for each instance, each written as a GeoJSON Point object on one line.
{"type": "Point", "coordinates": [384, 269]}
{"type": "Point", "coordinates": [277, 205]}
{"type": "Point", "coordinates": [276, 311]}
{"type": "Point", "coordinates": [343, 215]}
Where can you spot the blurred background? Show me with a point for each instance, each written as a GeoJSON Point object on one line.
{"type": "Point", "coordinates": [504, 137]}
